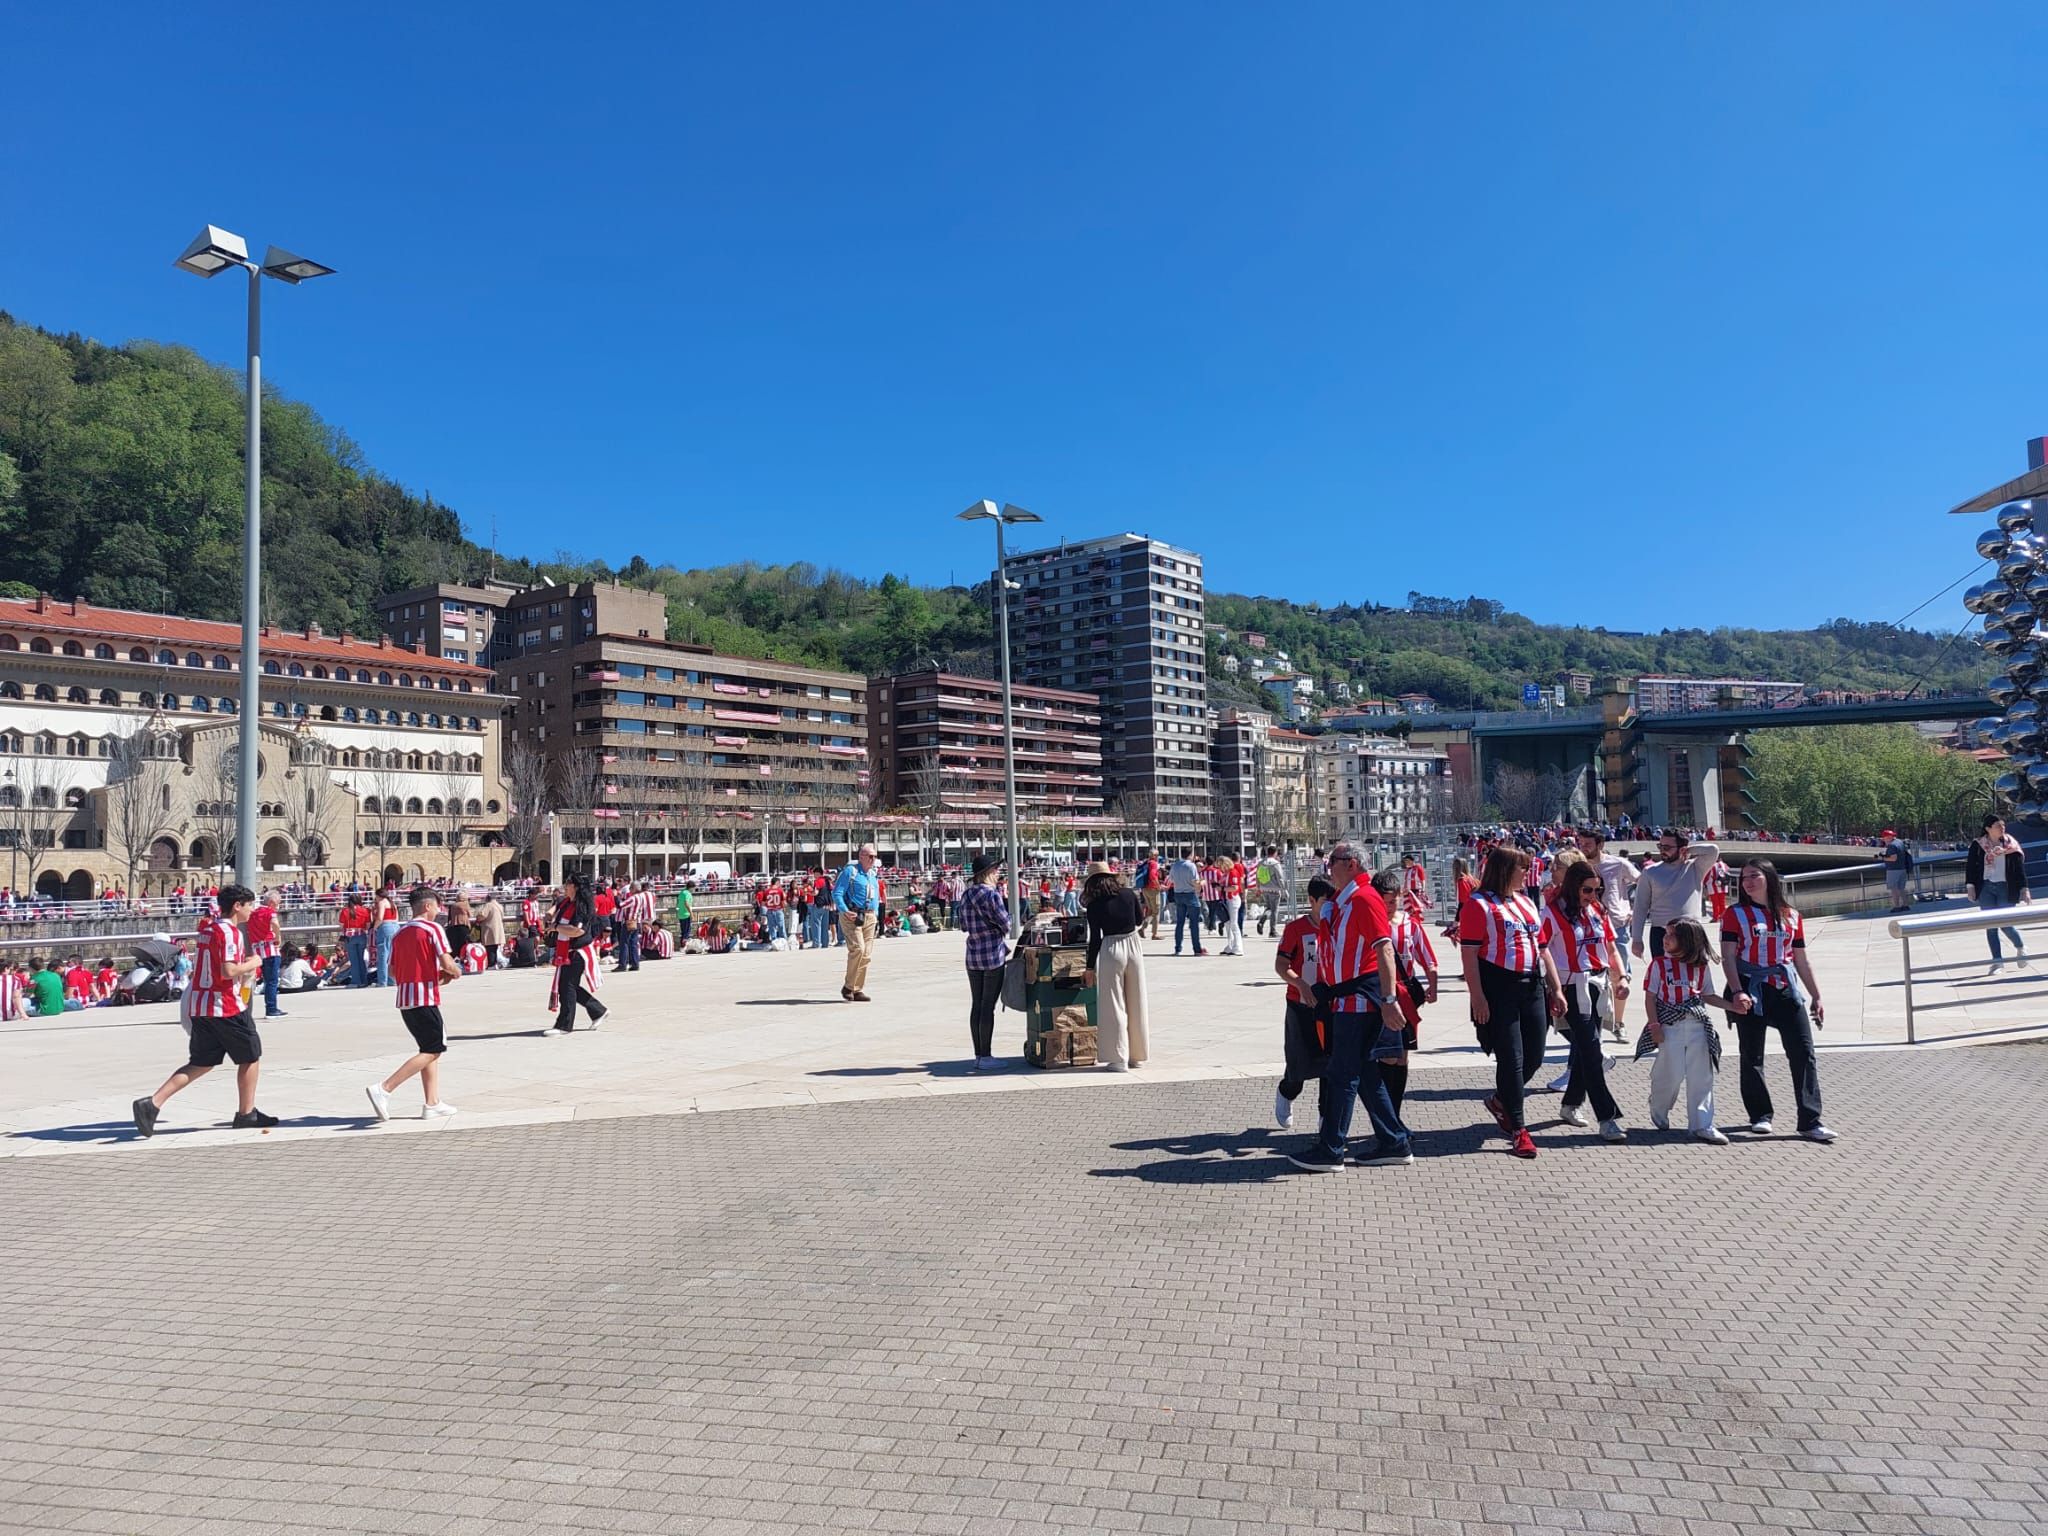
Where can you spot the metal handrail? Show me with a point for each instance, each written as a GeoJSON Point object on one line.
{"type": "Point", "coordinates": [1976, 920]}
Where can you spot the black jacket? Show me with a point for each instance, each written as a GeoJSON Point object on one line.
{"type": "Point", "coordinates": [2015, 871]}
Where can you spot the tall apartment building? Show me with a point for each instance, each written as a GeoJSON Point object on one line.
{"type": "Point", "coordinates": [936, 745]}
{"type": "Point", "coordinates": [501, 620]}
{"type": "Point", "coordinates": [1377, 790]}
{"type": "Point", "coordinates": [687, 755]}
{"type": "Point", "coordinates": [1259, 782]}
{"type": "Point", "coordinates": [373, 760]}
{"type": "Point", "coordinates": [1121, 618]}
{"type": "Point", "coordinates": [1678, 695]}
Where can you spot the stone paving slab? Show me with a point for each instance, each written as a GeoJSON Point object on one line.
{"type": "Point", "coordinates": [748, 1031]}
{"type": "Point", "coordinates": [1026, 1312]}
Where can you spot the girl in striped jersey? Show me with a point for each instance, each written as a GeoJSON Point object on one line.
{"type": "Point", "coordinates": [1763, 947]}
{"type": "Point", "coordinates": [1583, 949]}
{"type": "Point", "coordinates": [1512, 983]}
{"type": "Point", "coordinates": [1676, 999]}
{"type": "Point", "coordinates": [1414, 965]}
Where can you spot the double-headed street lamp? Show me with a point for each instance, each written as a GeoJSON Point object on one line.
{"type": "Point", "coordinates": [986, 510]}
{"type": "Point", "coordinates": [209, 255]}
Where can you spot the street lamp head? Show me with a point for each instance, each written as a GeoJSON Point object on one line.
{"type": "Point", "coordinates": [1019, 515]}
{"type": "Point", "coordinates": [212, 251]}
{"type": "Point", "coordinates": [981, 509]}
{"type": "Point", "coordinates": [287, 268]}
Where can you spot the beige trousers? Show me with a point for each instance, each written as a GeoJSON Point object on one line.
{"type": "Point", "coordinates": [1120, 1033]}
{"type": "Point", "coordinates": [858, 929]}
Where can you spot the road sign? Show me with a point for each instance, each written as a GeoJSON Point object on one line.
{"type": "Point", "coordinates": [1560, 695]}
{"type": "Point", "coordinates": [1532, 694]}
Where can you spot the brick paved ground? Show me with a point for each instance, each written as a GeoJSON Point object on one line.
{"type": "Point", "coordinates": [1030, 1312]}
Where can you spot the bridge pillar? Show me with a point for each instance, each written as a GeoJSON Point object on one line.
{"type": "Point", "coordinates": [1679, 780]}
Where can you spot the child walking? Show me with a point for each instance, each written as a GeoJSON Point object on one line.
{"type": "Point", "coordinates": [420, 962]}
{"type": "Point", "coordinates": [1305, 1046]}
{"type": "Point", "coordinates": [1676, 1000]}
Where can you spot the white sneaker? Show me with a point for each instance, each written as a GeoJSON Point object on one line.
{"type": "Point", "coordinates": [380, 1101]}
{"type": "Point", "coordinates": [1283, 1111]}
{"type": "Point", "coordinates": [1819, 1133]}
{"type": "Point", "coordinates": [1559, 1083]}
{"type": "Point", "coordinates": [1574, 1114]}
{"type": "Point", "coordinates": [1759, 1127]}
{"type": "Point", "coordinates": [1711, 1136]}
{"type": "Point", "coordinates": [1996, 967]}
{"type": "Point", "coordinates": [1116, 1066]}
{"type": "Point", "coordinates": [440, 1111]}
{"type": "Point", "coordinates": [2019, 959]}
{"type": "Point", "coordinates": [1611, 1130]}
{"type": "Point", "coordinates": [984, 1063]}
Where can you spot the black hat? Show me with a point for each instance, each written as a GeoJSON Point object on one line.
{"type": "Point", "coordinates": [984, 862]}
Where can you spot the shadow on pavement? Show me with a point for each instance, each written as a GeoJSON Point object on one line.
{"type": "Point", "coordinates": [929, 1068]}
{"type": "Point", "coordinates": [790, 1002]}
{"type": "Point", "coordinates": [117, 1130]}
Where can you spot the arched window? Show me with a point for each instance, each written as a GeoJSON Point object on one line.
{"type": "Point", "coordinates": [475, 724]}
{"type": "Point", "coordinates": [473, 808]}
{"type": "Point", "coordinates": [433, 808]}
{"type": "Point", "coordinates": [46, 746]}
{"type": "Point", "coordinates": [474, 763]}
{"type": "Point", "coordinates": [9, 643]}
{"type": "Point", "coordinates": [272, 669]}
{"type": "Point", "coordinates": [349, 758]}
{"type": "Point", "coordinates": [10, 797]}
{"type": "Point", "coordinates": [43, 795]}
{"type": "Point", "coordinates": [138, 654]}
{"type": "Point", "coordinates": [194, 659]}
{"type": "Point", "coordinates": [77, 746]}
{"type": "Point", "coordinates": [371, 803]}
{"type": "Point", "coordinates": [227, 706]}
{"type": "Point", "coordinates": [297, 669]}
{"type": "Point", "coordinates": [167, 658]}
{"type": "Point", "coordinates": [320, 672]}
{"type": "Point", "coordinates": [373, 717]}
{"type": "Point", "coordinates": [415, 762]}
{"type": "Point", "coordinates": [362, 674]}
{"type": "Point", "coordinates": [103, 748]}
{"type": "Point", "coordinates": [201, 703]}
{"type": "Point", "coordinates": [40, 646]}
{"type": "Point", "coordinates": [170, 701]}
{"type": "Point", "coordinates": [468, 687]}
{"type": "Point", "coordinates": [76, 696]}
{"type": "Point", "coordinates": [221, 664]}
{"type": "Point", "coordinates": [447, 685]}
{"type": "Point", "coordinates": [434, 720]}
{"type": "Point", "coordinates": [349, 713]}
{"type": "Point", "coordinates": [412, 717]}
{"type": "Point", "coordinates": [299, 710]}
{"type": "Point", "coordinates": [146, 699]}
{"type": "Point", "coordinates": [45, 693]}
{"type": "Point", "coordinates": [412, 805]}
{"type": "Point", "coordinates": [384, 679]}
{"type": "Point", "coordinates": [327, 712]}
{"type": "Point", "coordinates": [110, 696]}
{"type": "Point", "coordinates": [10, 690]}
{"type": "Point", "coordinates": [437, 762]}
{"type": "Point", "coordinates": [74, 798]}
{"type": "Point", "coordinates": [103, 652]}
{"type": "Point", "coordinates": [73, 648]}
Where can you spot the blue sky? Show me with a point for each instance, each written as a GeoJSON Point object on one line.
{"type": "Point", "coordinates": [1544, 303]}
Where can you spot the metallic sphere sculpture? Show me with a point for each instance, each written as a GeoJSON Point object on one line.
{"type": "Point", "coordinates": [2014, 608]}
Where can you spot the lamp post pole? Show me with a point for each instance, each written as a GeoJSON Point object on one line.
{"type": "Point", "coordinates": [252, 584]}
{"type": "Point", "coordinates": [1009, 737]}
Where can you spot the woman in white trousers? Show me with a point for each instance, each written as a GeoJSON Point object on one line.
{"type": "Point", "coordinates": [1116, 969]}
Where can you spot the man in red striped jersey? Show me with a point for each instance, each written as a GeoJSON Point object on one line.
{"type": "Point", "coordinates": [221, 1027]}
{"type": "Point", "coordinates": [420, 962]}
{"type": "Point", "coordinates": [1355, 961]}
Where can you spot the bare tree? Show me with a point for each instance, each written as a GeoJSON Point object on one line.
{"type": "Point", "coordinates": [310, 803]}
{"type": "Point", "coordinates": [387, 801]}
{"type": "Point", "coordinates": [42, 781]}
{"type": "Point", "coordinates": [579, 791]}
{"type": "Point", "coordinates": [526, 781]}
{"type": "Point", "coordinates": [138, 794]}
{"type": "Point", "coordinates": [928, 790]}
{"type": "Point", "coordinates": [1467, 799]}
{"type": "Point", "coordinates": [1139, 809]}
{"type": "Point", "coordinates": [218, 814]}
{"type": "Point", "coordinates": [454, 817]}
{"type": "Point", "coordinates": [1528, 795]}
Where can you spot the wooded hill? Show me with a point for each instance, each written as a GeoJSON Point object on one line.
{"type": "Point", "coordinates": [121, 483]}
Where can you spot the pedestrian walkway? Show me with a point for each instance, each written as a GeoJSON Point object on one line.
{"type": "Point", "coordinates": [755, 1030]}
{"type": "Point", "coordinates": [1024, 1313]}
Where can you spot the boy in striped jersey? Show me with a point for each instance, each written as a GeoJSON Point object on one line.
{"type": "Point", "coordinates": [420, 962]}
{"type": "Point", "coordinates": [222, 1029]}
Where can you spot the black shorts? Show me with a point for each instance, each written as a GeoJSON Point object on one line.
{"type": "Point", "coordinates": [218, 1040]}
{"type": "Point", "coordinates": [426, 1027]}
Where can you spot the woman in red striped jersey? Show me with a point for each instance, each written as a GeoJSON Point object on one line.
{"type": "Point", "coordinates": [1415, 972]}
{"type": "Point", "coordinates": [1676, 998]}
{"type": "Point", "coordinates": [1586, 956]}
{"type": "Point", "coordinates": [1512, 983]}
{"type": "Point", "coordinates": [1763, 947]}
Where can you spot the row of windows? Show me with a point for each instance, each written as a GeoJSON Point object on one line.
{"type": "Point", "coordinates": [40, 646]}
{"type": "Point", "coordinates": [414, 806]}
{"type": "Point", "coordinates": [46, 693]}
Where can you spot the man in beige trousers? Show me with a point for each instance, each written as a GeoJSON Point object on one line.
{"type": "Point", "coordinates": [858, 896]}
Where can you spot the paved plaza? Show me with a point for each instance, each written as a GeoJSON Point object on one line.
{"type": "Point", "coordinates": [958, 1305]}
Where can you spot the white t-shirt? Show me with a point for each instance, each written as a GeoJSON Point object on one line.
{"type": "Point", "coordinates": [296, 974]}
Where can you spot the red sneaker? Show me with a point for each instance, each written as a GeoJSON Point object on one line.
{"type": "Point", "coordinates": [1523, 1146]}
{"type": "Point", "coordinates": [1500, 1115]}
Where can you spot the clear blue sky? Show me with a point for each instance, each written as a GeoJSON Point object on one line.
{"type": "Point", "coordinates": [1547, 303]}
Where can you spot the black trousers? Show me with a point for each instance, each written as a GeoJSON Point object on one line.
{"type": "Point", "coordinates": [574, 969]}
{"type": "Point", "coordinates": [1589, 1057]}
{"type": "Point", "coordinates": [985, 989]}
{"type": "Point", "coordinates": [1778, 1009]}
{"type": "Point", "coordinates": [1517, 1021]}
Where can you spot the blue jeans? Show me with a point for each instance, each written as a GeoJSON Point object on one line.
{"type": "Point", "coordinates": [1187, 913]}
{"type": "Point", "coordinates": [272, 966]}
{"type": "Point", "coordinates": [629, 948]}
{"type": "Point", "coordinates": [771, 923]}
{"type": "Point", "coordinates": [1991, 895]}
{"type": "Point", "coordinates": [359, 959]}
{"type": "Point", "coordinates": [818, 927]}
{"type": "Point", "coordinates": [386, 932]}
{"type": "Point", "coordinates": [1352, 1076]}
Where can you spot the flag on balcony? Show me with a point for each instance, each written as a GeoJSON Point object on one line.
{"type": "Point", "coordinates": [766, 770]}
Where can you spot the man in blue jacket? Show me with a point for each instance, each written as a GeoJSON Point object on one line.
{"type": "Point", "coordinates": [858, 896]}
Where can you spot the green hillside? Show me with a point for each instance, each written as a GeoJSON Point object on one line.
{"type": "Point", "coordinates": [121, 483]}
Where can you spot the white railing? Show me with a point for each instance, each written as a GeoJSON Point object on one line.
{"type": "Point", "coordinates": [1907, 929]}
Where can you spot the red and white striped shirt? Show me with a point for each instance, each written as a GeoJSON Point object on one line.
{"type": "Point", "coordinates": [263, 932]}
{"type": "Point", "coordinates": [1346, 942]}
{"type": "Point", "coordinates": [214, 992]}
{"type": "Point", "coordinates": [12, 1005]}
{"type": "Point", "coordinates": [529, 912]}
{"type": "Point", "coordinates": [663, 943]}
{"type": "Point", "coordinates": [1580, 948]}
{"type": "Point", "coordinates": [1539, 865]}
{"type": "Point", "coordinates": [1671, 982]}
{"type": "Point", "coordinates": [1414, 953]}
{"type": "Point", "coordinates": [416, 951]}
{"type": "Point", "coordinates": [1415, 887]}
{"type": "Point", "coordinates": [1760, 942]}
{"type": "Point", "coordinates": [1211, 882]}
{"type": "Point", "coordinates": [1508, 931]}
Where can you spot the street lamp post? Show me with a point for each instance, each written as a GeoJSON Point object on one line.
{"type": "Point", "coordinates": [14, 842]}
{"type": "Point", "coordinates": [986, 510]}
{"type": "Point", "coordinates": [211, 253]}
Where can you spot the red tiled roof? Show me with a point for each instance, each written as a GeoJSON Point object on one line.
{"type": "Point", "coordinates": [78, 618]}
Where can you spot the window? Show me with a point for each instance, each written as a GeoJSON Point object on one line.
{"type": "Point", "coordinates": [194, 659]}
{"type": "Point", "coordinates": [103, 652]}
{"type": "Point", "coordinates": [554, 631]}
{"type": "Point", "coordinates": [73, 648]}
{"type": "Point", "coordinates": [272, 669]}
{"type": "Point", "coordinates": [220, 664]}
{"type": "Point", "coordinates": [42, 647]}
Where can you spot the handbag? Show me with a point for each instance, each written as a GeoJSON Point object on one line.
{"type": "Point", "coordinates": [1017, 977]}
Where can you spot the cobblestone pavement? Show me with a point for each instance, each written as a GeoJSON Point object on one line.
{"type": "Point", "coordinates": [1029, 1312]}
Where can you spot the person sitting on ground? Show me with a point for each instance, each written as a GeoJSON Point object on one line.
{"type": "Point", "coordinates": [523, 948]}
{"type": "Point", "coordinates": [104, 980]}
{"type": "Point", "coordinates": [717, 938]}
{"type": "Point", "coordinates": [77, 983]}
{"type": "Point", "coordinates": [296, 975]}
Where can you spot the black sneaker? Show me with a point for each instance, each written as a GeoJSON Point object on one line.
{"type": "Point", "coordinates": [145, 1116]}
{"type": "Point", "coordinates": [254, 1120]}
{"type": "Point", "coordinates": [1316, 1160]}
